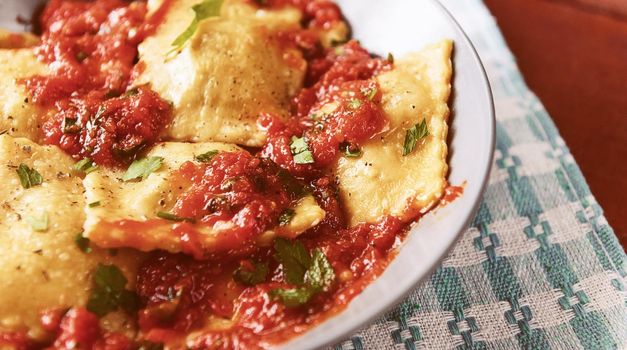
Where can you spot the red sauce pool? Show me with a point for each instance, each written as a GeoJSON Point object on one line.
{"type": "Point", "coordinates": [92, 47]}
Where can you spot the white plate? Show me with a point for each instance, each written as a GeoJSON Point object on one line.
{"type": "Point", "coordinates": [401, 26]}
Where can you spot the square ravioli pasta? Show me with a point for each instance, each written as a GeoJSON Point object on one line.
{"type": "Point", "coordinates": [235, 67]}
{"type": "Point", "coordinates": [201, 199]}
{"type": "Point", "coordinates": [42, 267]}
{"type": "Point", "coordinates": [384, 181]}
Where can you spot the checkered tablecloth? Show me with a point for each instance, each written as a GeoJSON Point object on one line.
{"type": "Point", "coordinates": [540, 268]}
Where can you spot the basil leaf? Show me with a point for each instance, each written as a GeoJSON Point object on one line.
{"type": "Point", "coordinates": [142, 168]}
{"type": "Point", "coordinates": [413, 135]}
{"type": "Point", "coordinates": [203, 10]}
{"type": "Point", "coordinates": [207, 156]}
{"type": "Point", "coordinates": [300, 150]}
{"type": "Point", "coordinates": [286, 216]}
{"type": "Point", "coordinates": [320, 275]}
{"type": "Point", "coordinates": [109, 292]}
{"type": "Point", "coordinates": [350, 151]}
{"type": "Point", "coordinates": [293, 297]}
{"type": "Point", "coordinates": [29, 177]}
{"type": "Point", "coordinates": [249, 277]}
{"type": "Point", "coordinates": [82, 243]}
{"type": "Point", "coordinates": [85, 165]}
{"type": "Point", "coordinates": [294, 258]}
{"type": "Point", "coordinates": [318, 278]}
{"type": "Point", "coordinates": [39, 224]}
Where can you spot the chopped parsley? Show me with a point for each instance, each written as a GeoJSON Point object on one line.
{"type": "Point", "coordinates": [132, 92]}
{"type": "Point", "coordinates": [39, 224]}
{"type": "Point", "coordinates": [82, 243]}
{"type": "Point", "coordinates": [349, 150]}
{"type": "Point", "coordinates": [207, 156]}
{"type": "Point", "coordinates": [318, 277]}
{"type": "Point", "coordinates": [370, 93]}
{"type": "Point", "coordinates": [203, 10]}
{"type": "Point", "coordinates": [109, 292]}
{"type": "Point", "coordinates": [94, 204]}
{"type": "Point", "coordinates": [248, 277]}
{"type": "Point", "coordinates": [141, 168]}
{"type": "Point", "coordinates": [300, 150]}
{"type": "Point", "coordinates": [390, 58]}
{"type": "Point", "coordinates": [85, 165]}
{"type": "Point", "coordinates": [29, 177]}
{"type": "Point", "coordinates": [413, 135]}
{"type": "Point", "coordinates": [286, 216]}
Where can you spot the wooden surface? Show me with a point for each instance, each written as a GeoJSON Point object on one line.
{"type": "Point", "coordinates": [573, 55]}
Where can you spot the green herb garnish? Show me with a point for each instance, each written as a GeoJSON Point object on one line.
{"type": "Point", "coordinates": [172, 217]}
{"type": "Point", "coordinates": [85, 165]}
{"type": "Point", "coordinates": [94, 204]}
{"type": "Point", "coordinates": [370, 93]}
{"type": "Point", "coordinates": [141, 168]}
{"type": "Point", "coordinates": [354, 103]}
{"type": "Point", "coordinates": [39, 224]}
{"type": "Point", "coordinates": [250, 277]}
{"type": "Point", "coordinates": [82, 243]}
{"type": "Point", "coordinates": [390, 58]}
{"type": "Point", "coordinates": [109, 292]}
{"type": "Point", "coordinates": [203, 10]}
{"type": "Point", "coordinates": [286, 216]}
{"type": "Point", "coordinates": [294, 257]}
{"type": "Point", "coordinates": [29, 177]}
{"type": "Point", "coordinates": [413, 135]}
{"type": "Point", "coordinates": [300, 150]}
{"type": "Point", "coordinates": [350, 151]}
{"type": "Point", "coordinates": [318, 277]}
{"type": "Point", "coordinates": [207, 156]}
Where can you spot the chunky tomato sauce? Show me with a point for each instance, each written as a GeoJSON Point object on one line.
{"type": "Point", "coordinates": [91, 48]}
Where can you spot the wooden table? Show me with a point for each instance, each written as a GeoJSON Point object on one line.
{"type": "Point", "coordinates": [573, 55]}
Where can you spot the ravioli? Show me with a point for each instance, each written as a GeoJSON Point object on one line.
{"type": "Point", "coordinates": [383, 181]}
{"type": "Point", "coordinates": [18, 115]}
{"type": "Point", "coordinates": [45, 269]}
{"type": "Point", "coordinates": [231, 70]}
{"type": "Point", "coordinates": [127, 212]}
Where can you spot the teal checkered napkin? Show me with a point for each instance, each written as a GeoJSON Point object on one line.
{"type": "Point", "coordinates": [540, 268]}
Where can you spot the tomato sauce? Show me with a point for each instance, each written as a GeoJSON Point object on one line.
{"type": "Point", "coordinates": [91, 49]}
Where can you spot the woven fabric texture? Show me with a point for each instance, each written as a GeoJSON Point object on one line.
{"type": "Point", "coordinates": [539, 268]}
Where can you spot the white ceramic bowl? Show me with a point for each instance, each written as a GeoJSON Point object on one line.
{"type": "Point", "coordinates": [401, 26]}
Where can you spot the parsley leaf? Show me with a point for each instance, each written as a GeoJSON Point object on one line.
{"type": "Point", "coordinates": [413, 135]}
{"type": "Point", "coordinates": [203, 10]}
{"type": "Point", "coordinates": [82, 243]}
{"type": "Point", "coordinates": [249, 277]}
{"type": "Point", "coordinates": [370, 93]}
{"type": "Point", "coordinates": [300, 150]}
{"type": "Point", "coordinates": [350, 151]}
{"type": "Point", "coordinates": [318, 278]}
{"type": "Point", "coordinates": [207, 156]}
{"type": "Point", "coordinates": [39, 224]}
{"type": "Point", "coordinates": [29, 177]}
{"type": "Point", "coordinates": [85, 165]}
{"type": "Point", "coordinates": [94, 204]}
{"type": "Point", "coordinates": [286, 216]}
{"type": "Point", "coordinates": [142, 168]}
{"type": "Point", "coordinates": [294, 258]}
{"type": "Point", "coordinates": [109, 292]}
